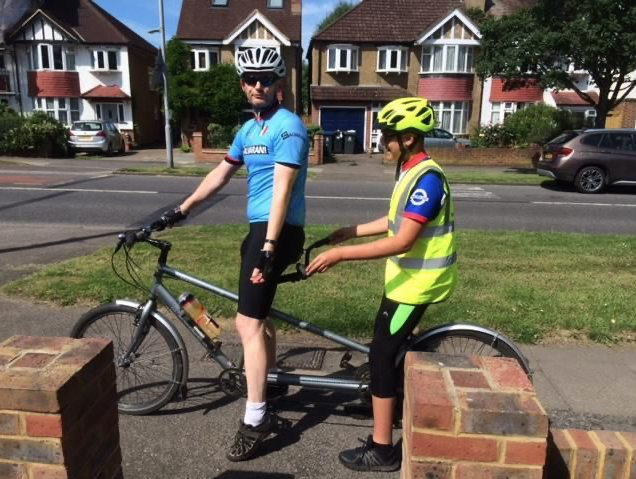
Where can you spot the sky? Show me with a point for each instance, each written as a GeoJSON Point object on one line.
{"type": "Point", "coordinates": [143, 15]}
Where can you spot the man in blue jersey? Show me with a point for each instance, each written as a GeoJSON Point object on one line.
{"type": "Point", "coordinates": [421, 265]}
{"type": "Point", "coordinates": [274, 147]}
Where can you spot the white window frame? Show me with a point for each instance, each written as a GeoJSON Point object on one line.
{"type": "Point", "coordinates": [50, 57]}
{"type": "Point", "coordinates": [349, 49]}
{"type": "Point", "coordinates": [52, 107]}
{"type": "Point", "coordinates": [107, 66]}
{"type": "Point", "coordinates": [206, 51]}
{"type": "Point", "coordinates": [219, 3]}
{"type": "Point", "coordinates": [441, 107]}
{"type": "Point", "coordinates": [402, 59]}
{"type": "Point", "coordinates": [504, 109]}
{"type": "Point", "coordinates": [449, 50]}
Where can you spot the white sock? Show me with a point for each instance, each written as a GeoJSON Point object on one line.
{"type": "Point", "coordinates": [254, 413]}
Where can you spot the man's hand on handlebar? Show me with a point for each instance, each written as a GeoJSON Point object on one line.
{"type": "Point", "coordinates": [324, 261]}
{"type": "Point", "coordinates": [169, 219]}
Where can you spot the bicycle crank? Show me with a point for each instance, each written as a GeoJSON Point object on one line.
{"type": "Point", "coordinates": [233, 383]}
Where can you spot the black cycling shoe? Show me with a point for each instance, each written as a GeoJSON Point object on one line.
{"type": "Point", "coordinates": [369, 459]}
{"type": "Point", "coordinates": [249, 438]}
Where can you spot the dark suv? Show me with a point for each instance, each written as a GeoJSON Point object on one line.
{"type": "Point", "coordinates": [591, 159]}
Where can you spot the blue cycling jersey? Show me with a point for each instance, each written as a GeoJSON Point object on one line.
{"type": "Point", "coordinates": [277, 137]}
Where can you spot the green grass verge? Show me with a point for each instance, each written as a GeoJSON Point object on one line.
{"type": "Point", "coordinates": [528, 285]}
{"type": "Point", "coordinates": [512, 177]}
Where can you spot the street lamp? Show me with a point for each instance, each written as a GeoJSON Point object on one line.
{"type": "Point", "coordinates": [164, 74]}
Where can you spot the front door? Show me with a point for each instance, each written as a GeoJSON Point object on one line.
{"type": "Point", "coordinates": [109, 112]}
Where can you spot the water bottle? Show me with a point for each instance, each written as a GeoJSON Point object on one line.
{"type": "Point", "coordinates": [199, 315]}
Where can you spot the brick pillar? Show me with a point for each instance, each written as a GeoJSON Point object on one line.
{"type": "Point", "coordinates": [197, 146]}
{"type": "Point", "coordinates": [318, 158]}
{"type": "Point", "coordinates": [58, 409]}
{"type": "Point", "coordinates": [471, 418]}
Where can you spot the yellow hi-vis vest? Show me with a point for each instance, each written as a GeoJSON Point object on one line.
{"type": "Point", "coordinates": [428, 272]}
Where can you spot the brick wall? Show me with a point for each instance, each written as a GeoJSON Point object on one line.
{"type": "Point", "coordinates": [577, 454]}
{"type": "Point", "coordinates": [471, 418]}
{"type": "Point", "coordinates": [216, 155]}
{"type": "Point", "coordinates": [518, 157]}
{"type": "Point", "coordinates": [58, 409]}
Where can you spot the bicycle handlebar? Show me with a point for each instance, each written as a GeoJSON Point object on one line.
{"type": "Point", "coordinates": [131, 237]}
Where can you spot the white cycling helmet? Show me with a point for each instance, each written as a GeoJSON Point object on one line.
{"type": "Point", "coordinates": [260, 60]}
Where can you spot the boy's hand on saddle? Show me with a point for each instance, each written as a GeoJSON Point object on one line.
{"type": "Point", "coordinates": [324, 261]}
{"type": "Point", "coordinates": [342, 234]}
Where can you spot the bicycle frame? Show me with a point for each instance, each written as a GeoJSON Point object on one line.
{"type": "Point", "coordinates": [159, 293]}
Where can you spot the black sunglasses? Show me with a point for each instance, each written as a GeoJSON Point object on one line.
{"type": "Point", "coordinates": [264, 80]}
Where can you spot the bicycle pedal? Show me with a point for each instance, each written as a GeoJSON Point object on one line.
{"type": "Point", "coordinates": [344, 362]}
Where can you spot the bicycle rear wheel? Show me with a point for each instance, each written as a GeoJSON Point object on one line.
{"type": "Point", "coordinates": [151, 376]}
{"type": "Point", "coordinates": [470, 342]}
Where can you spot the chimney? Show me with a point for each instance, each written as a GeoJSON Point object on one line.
{"type": "Point", "coordinates": [297, 7]}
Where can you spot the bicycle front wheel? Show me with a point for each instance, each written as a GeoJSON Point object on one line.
{"type": "Point", "coordinates": [151, 375]}
{"type": "Point", "coordinates": [471, 342]}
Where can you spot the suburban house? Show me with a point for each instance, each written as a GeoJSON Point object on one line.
{"type": "Point", "coordinates": [381, 50]}
{"type": "Point", "coordinates": [75, 61]}
{"type": "Point", "coordinates": [217, 30]}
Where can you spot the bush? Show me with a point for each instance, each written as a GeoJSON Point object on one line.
{"type": "Point", "coordinates": [537, 124]}
{"type": "Point", "coordinates": [492, 136]}
{"type": "Point", "coordinates": [37, 135]}
{"type": "Point", "coordinates": [185, 148]}
{"type": "Point", "coordinates": [219, 136]}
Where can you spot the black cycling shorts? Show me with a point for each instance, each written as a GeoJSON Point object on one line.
{"type": "Point", "coordinates": [393, 324]}
{"type": "Point", "coordinates": [255, 300]}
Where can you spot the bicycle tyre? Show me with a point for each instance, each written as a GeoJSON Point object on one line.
{"type": "Point", "coordinates": [149, 382]}
{"type": "Point", "coordinates": [458, 342]}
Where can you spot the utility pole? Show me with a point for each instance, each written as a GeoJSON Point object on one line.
{"type": "Point", "coordinates": [164, 73]}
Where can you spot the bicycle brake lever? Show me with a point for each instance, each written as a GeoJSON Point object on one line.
{"type": "Point", "coordinates": [302, 270]}
{"type": "Point", "coordinates": [130, 238]}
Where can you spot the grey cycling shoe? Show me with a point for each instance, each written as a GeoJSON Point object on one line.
{"type": "Point", "coordinates": [369, 459]}
{"type": "Point", "coordinates": [248, 438]}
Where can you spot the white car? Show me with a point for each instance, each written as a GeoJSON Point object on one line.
{"type": "Point", "coordinates": [95, 136]}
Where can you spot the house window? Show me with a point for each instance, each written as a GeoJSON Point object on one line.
{"type": "Point", "coordinates": [452, 115]}
{"type": "Point", "coordinates": [2, 64]}
{"type": "Point", "coordinates": [274, 3]}
{"type": "Point", "coordinates": [392, 59]}
{"type": "Point", "coordinates": [342, 58]}
{"type": "Point", "coordinates": [501, 110]}
{"type": "Point", "coordinates": [51, 57]}
{"type": "Point", "coordinates": [202, 60]}
{"type": "Point", "coordinates": [219, 3]}
{"type": "Point", "coordinates": [65, 110]}
{"type": "Point", "coordinates": [104, 60]}
{"type": "Point", "coordinates": [447, 59]}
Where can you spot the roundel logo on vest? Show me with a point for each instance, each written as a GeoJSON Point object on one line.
{"type": "Point", "coordinates": [419, 197]}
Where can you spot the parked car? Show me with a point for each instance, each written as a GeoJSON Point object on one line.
{"type": "Point", "coordinates": [101, 136]}
{"type": "Point", "coordinates": [438, 138]}
{"type": "Point", "coordinates": [591, 159]}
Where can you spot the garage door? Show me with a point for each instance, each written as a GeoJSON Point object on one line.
{"type": "Point", "coordinates": [332, 119]}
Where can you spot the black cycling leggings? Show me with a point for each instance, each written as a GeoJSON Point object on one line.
{"type": "Point", "coordinates": [393, 324]}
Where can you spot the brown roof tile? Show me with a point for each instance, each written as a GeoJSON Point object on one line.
{"type": "Point", "coordinates": [570, 98]}
{"type": "Point", "coordinates": [103, 91]}
{"type": "Point", "coordinates": [200, 21]}
{"type": "Point", "coordinates": [357, 93]}
{"type": "Point", "coordinates": [382, 21]}
{"type": "Point", "coordinates": [92, 23]}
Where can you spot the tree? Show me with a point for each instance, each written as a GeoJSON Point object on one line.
{"type": "Point", "coordinates": [341, 8]}
{"type": "Point", "coordinates": [545, 42]}
{"type": "Point", "coordinates": [216, 92]}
